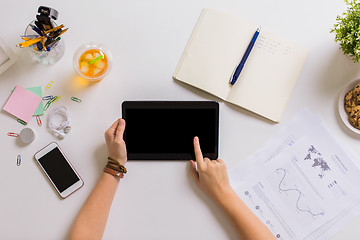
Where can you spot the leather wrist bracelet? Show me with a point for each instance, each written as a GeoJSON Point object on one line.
{"type": "Point", "coordinates": [113, 172]}
{"type": "Point", "coordinates": [114, 164]}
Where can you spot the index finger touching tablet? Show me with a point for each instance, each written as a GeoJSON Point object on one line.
{"type": "Point", "coordinates": [198, 154]}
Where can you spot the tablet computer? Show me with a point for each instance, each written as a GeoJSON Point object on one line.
{"type": "Point", "coordinates": [164, 130]}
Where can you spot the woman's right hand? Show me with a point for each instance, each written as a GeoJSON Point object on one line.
{"type": "Point", "coordinates": [210, 175]}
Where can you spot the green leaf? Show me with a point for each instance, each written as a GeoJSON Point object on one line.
{"type": "Point", "coordinates": [347, 30]}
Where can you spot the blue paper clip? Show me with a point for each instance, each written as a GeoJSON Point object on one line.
{"type": "Point", "coordinates": [48, 97]}
{"type": "Point", "coordinates": [18, 160]}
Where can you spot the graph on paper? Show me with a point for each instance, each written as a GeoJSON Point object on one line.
{"type": "Point", "coordinates": [286, 188]}
{"type": "Point", "coordinates": [302, 184]}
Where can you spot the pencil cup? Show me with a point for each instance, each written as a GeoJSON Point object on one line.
{"type": "Point", "coordinates": [92, 61]}
{"type": "Point", "coordinates": [48, 56]}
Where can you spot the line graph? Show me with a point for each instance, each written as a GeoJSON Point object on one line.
{"type": "Point", "coordinates": [297, 191]}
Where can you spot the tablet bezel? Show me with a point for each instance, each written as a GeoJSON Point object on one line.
{"type": "Point", "coordinates": [174, 105]}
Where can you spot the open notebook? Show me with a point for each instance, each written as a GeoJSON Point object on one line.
{"type": "Point", "coordinates": [216, 47]}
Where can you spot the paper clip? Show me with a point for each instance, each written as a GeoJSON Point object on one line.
{"type": "Point", "coordinates": [48, 97]}
{"type": "Point", "coordinates": [11, 134]}
{"type": "Point", "coordinates": [54, 99]}
{"type": "Point", "coordinates": [75, 99]}
{"type": "Point", "coordinates": [18, 160]}
{"type": "Point", "coordinates": [47, 105]}
{"type": "Point", "coordinates": [38, 120]}
{"type": "Point", "coordinates": [21, 121]}
{"type": "Point", "coordinates": [49, 85]}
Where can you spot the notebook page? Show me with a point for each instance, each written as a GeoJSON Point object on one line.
{"type": "Point", "coordinates": [213, 51]}
{"type": "Point", "coordinates": [269, 76]}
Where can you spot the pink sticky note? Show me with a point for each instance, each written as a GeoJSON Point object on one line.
{"type": "Point", "coordinates": [22, 103]}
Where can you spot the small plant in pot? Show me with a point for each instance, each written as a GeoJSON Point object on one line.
{"type": "Point", "coordinates": [347, 30]}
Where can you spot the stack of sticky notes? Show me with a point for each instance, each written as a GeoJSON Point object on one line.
{"type": "Point", "coordinates": [40, 108]}
{"type": "Point", "coordinates": [24, 103]}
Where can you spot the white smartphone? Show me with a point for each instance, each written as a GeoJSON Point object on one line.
{"type": "Point", "coordinates": [59, 170]}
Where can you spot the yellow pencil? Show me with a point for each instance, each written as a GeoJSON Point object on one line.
{"type": "Point", "coordinates": [30, 42]}
{"type": "Point", "coordinates": [54, 29]}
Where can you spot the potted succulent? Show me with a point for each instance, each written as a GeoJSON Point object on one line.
{"type": "Point", "coordinates": [347, 30]}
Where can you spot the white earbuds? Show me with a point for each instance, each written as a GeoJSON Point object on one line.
{"type": "Point", "coordinates": [61, 130]}
{"type": "Point", "coordinates": [61, 135]}
{"type": "Point", "coordinates": [58, 134]}
{"type": "Point", "coordinates": [67, 129]}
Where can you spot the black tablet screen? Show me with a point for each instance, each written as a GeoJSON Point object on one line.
{"type": "Point", "coordinates": [162, 131]}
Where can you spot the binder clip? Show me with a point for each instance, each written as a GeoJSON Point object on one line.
{"type": "Point", "coordinates": [44, 18]}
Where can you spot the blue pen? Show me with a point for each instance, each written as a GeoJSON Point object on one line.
{"type": "Point", "coordinates": [36, 30]}
{"type": "Point", "coordinates": [239, 68]}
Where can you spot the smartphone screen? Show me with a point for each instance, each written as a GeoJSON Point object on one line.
{"type": "Point", "coordinates": [58, 169]}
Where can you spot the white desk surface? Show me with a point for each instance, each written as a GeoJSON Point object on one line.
{"type": "Point", "coordinates": [156, 200]}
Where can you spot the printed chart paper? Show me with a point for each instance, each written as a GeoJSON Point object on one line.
{"type": "Point", "coordinates": [302, 184]}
